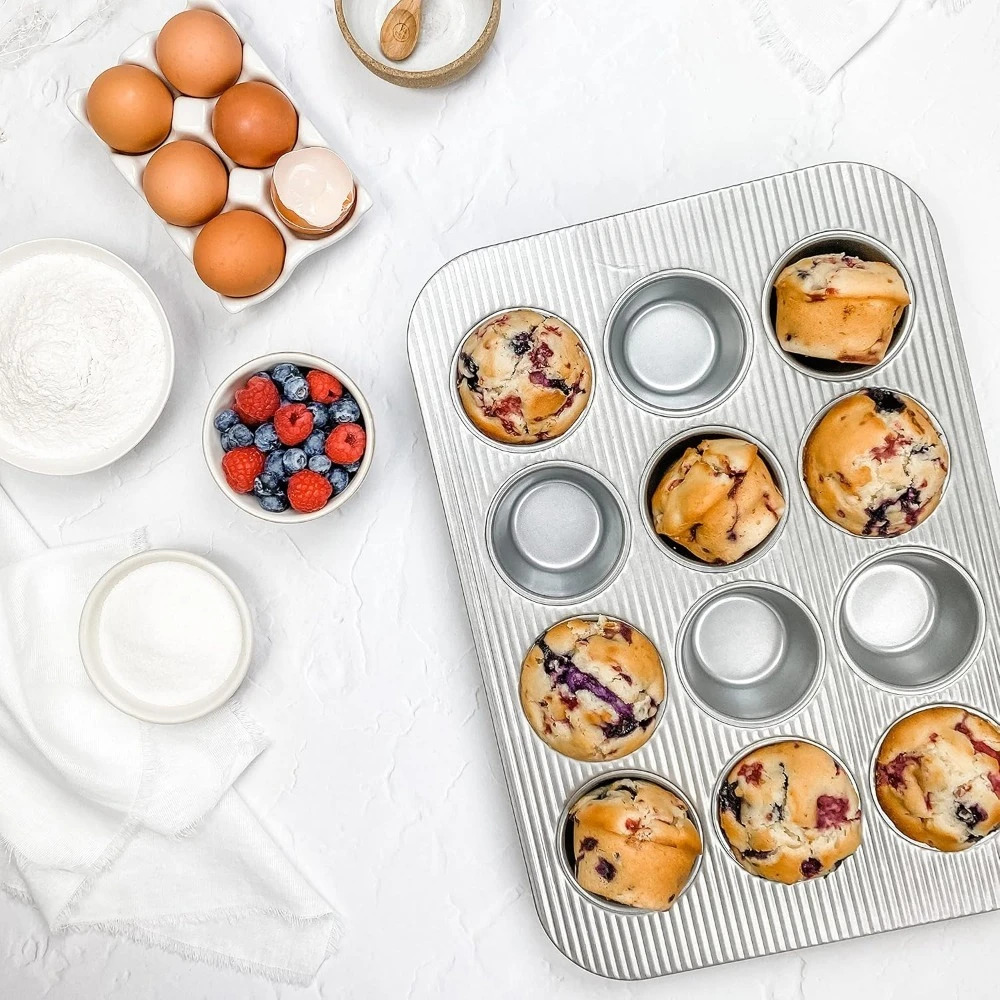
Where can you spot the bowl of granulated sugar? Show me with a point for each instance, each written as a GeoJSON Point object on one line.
{"type": "Point", "coordinates": [166, 636]}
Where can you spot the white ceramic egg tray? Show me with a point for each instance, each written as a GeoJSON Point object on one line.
{"type": "Point", "coordinates": [247, 188]}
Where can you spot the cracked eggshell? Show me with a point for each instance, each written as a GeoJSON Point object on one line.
{"type": "Point", "coordinates": [313, 191]}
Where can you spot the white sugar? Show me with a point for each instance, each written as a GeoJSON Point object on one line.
{"type": "Point", "coordinates": [170, 633]}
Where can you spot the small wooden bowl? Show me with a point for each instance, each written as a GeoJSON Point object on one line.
{"type": "Point", "coordinates": [363, 40]}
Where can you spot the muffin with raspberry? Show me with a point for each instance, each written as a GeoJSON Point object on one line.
{"type": "Point", "coordinates": [789, 812]}
{"type": "Point", "coordinates": [937, 777]}
{"type": "Point", "coordinates": [634, 843]}
{"type": "Point", "coordinates": [524, 377]}
{"type": "Point", "coordinates": [840, 308]}
{"type": "Point", "coordinates": [718, 500]}
{"type": "Point", "coordinates": [875, 464]}
{"type": "Point", "coordinates": [591, 688]}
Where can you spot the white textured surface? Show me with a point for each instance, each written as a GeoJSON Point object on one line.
{"type": "Point", "coordinates": [384, 782]}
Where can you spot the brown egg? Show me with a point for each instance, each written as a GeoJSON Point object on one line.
{"type": "Point", "coordinates": [199, 53]}
{"type": "Point", "coordinates": [130, 108]}
{"type": "Point", "coordinates": [239, 253]}
{"type": "Point", "coordinates": [185, 183]}
{"type": "Point", "coordinates": [255, 124]}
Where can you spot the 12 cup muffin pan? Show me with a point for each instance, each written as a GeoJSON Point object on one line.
{"type": "Point", "coordinates": [248, 188]}
{"type": "Point", "coordinates": [817, 634]}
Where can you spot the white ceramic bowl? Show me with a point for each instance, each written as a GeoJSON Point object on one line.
{"type": "Point", "coordinates": [111, 453]}
{"type": "Point", "coordinates": [223, 399]}
{"type": "Point", "coordinates": [120, 697]}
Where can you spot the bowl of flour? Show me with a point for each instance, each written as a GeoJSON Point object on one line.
{"type": "Point", "coordinates": [86, 357]}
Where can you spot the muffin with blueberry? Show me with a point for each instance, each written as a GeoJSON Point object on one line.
{"type": "Point", "coordinates": [634, 843]}
{"type": "Point", "coordinates": [591, 688]}
{"type": "Point", "coordinates": [789, 812]}
{"type": "Point", "coordinates": [875, 464]}
{"type": "Point", "coordinates": [937, 777]}
{"type": "Point", "coordinates": [840, 308]}
{"type": "Point", "coordinates": [524, 377]}
{"type": "Point", "coordinates": [718, 500]}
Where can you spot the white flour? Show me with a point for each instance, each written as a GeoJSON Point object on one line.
{"type": "Point", "coordinates": [169, 633]}
{"type": "Point", "coordinates": [82, 357]}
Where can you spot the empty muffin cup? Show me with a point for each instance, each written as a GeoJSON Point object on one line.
{"type": "Point", "coordinates": [910, 620]}
{"type": "Point", "coordinates": [750, 653]}
{"type": "Point", "coordinates": [768, 526]}
{"type": "Point", "coordinates": [558, 533]}
{"type": "Point", "coordinates": [854, 245]}
{"type": "Point", "coordinates": [568, 857]}
{"type": "Point", "coordinates": [678, 342]}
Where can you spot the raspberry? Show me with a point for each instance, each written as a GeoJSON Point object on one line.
{"type": "Point", "coordinates": [258, 401]}
{"type": "Point", "coordinates": [294, 423]}
{"type": "Point", "coordinates": [323, 387]}
{"type": "Point", "coordinates": [308, 491]}
{"type": "Point", "coordinates": [346, 444]}
{"type": "Point", "coordinates": [242, 466]}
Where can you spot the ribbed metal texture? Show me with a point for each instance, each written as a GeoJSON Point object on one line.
{"type": "Point", "coordinates": [578, 273]}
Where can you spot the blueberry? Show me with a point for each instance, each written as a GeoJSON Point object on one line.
{"type": "Point", "coordinates": [266, 375]}
{"type": "Point", "coordinates": [268, 484]}
{"type": "Point", "coordinates": [345, 410]}
{"type": "Point", "coordinates": [605, 869]}
{"type": "Point", "coordinates": [296, 389]}
{"type": "Point", "coordinates": [353, 467]}
{"type": "Point", "coordinates": [295, 460]}
{"type": "Point", "coordinates": [885, 400]}
{"type": "Point", "coordinates": [283, 372]}
{"type": "Point", "coordinates": [226, 419]}
{"type": "Point", "coordinates": [338, 479]}
{"type": "Point", "coordinates": [275, 504]}
{"type": "Point", "coordinates": [275, 463]}
{"type": "Point", "coordinates": [266, 438]}
{"type": "Point", "coordinates": [314, 444]}
{"type": "Point", "coordinates": [811, 867]}
{"type": "Point", "coordinates": [238, 436]}
{"type": "Point", "coordinates": [320, 416]}
{"type": "Point", "coordinates": [729, 801]}
{"type": "Point", "coordinates": [320, 464]}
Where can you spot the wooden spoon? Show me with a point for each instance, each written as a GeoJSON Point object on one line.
{"type": "Point", "coordinates": [401, 30]}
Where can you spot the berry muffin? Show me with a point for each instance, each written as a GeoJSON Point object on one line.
{"type": "Point", "coordinates": [790, 812]}
{"type": "Point", "coordinates": [718, 500]}
{"type": "Point", "coordinates": [875, 464]}
{"type": "Point", "coordinates": [524, 377]}
{"type": "Point", "coordinates": [634, 843]}
{"type": "Point", "coordinates": [591, 688]}
{"type": "Point", "coordinates": [839, 308]}
{"type": "Point", "coordinates": [937, 777]}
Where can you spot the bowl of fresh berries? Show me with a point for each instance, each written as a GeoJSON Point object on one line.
{"type": "Point", "coordinates": [288, 437]}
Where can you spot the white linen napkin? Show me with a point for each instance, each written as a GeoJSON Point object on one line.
{"type": "Point", "coordinates": [816, 40]}
{"type": "Point", "coordinates": [120, 826]}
